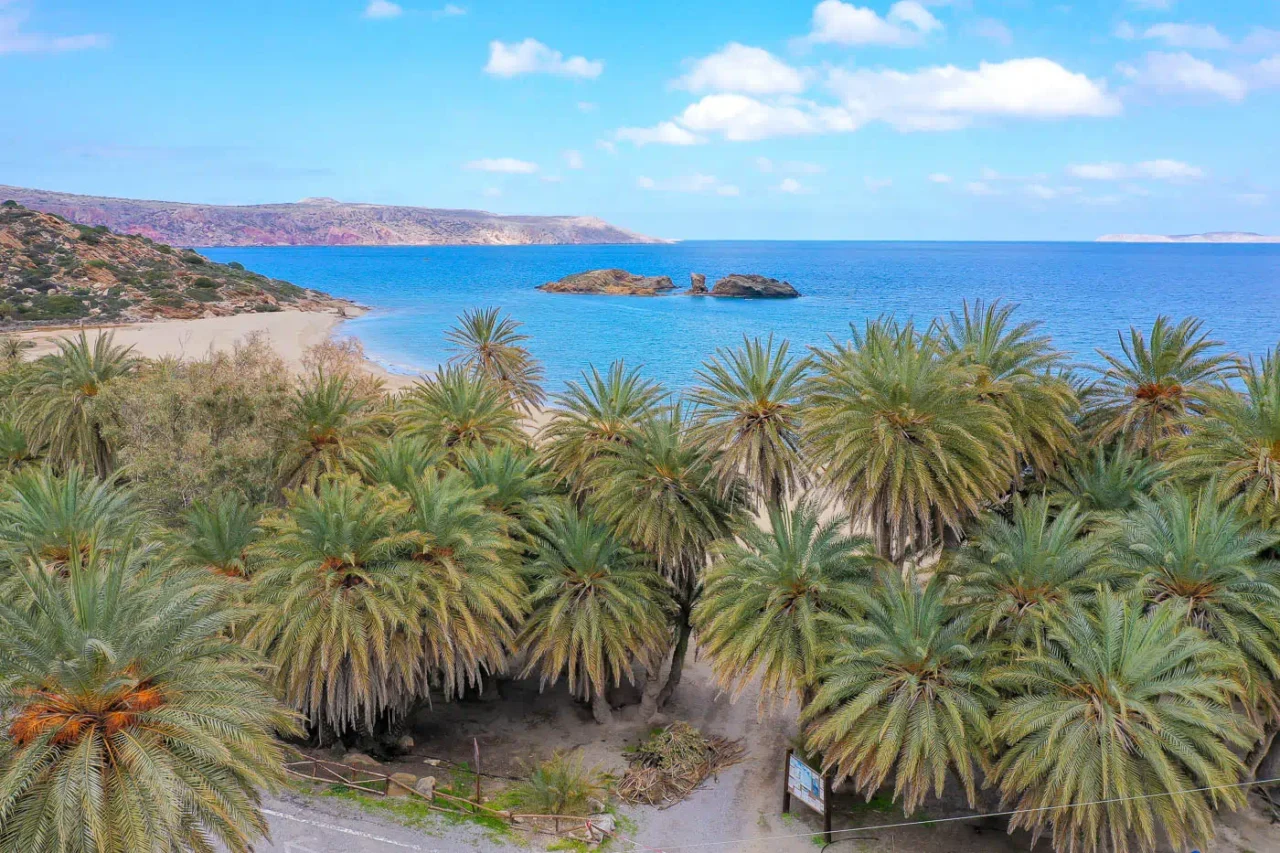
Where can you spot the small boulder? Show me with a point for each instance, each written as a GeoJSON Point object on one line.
{"type": "Point", "coordinates": [404, 743]}
{"type": "Point", "coordinates": [433, 762]}
{"type": "Point", "coordinates": [601, 826]}
{"type": "Point", "coordinates": [697, 284]}
{"type": "Point", "coordinates": [426, 786]}
{"type": "Point", "coordinates": [359, 759]}
{"type": "Point", "coordinates": [613, 282]}
{"type": "Point", "coordinates": [753, 287]}
{"type": "Point", "coordinates": [402, 784]}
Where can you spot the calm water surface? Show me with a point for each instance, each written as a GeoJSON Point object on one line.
{"type": "Point", "coordinates": [1083, 292]}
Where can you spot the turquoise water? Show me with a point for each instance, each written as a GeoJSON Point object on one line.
{"type": "Point", "coordinates": [1084, 293]}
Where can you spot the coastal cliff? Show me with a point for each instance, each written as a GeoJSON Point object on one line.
{"type": "Point", "coordinates": [317, 222]}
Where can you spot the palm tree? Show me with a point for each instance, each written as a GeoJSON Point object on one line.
{"type": "Point", "coordinates": [466, 568]}
{"type": "Point", "coordinates": [903, 695]}
{"type": "Point", "coordinates": [659, 492]}
{"type": "Point", "coordinates": [62, 392]}
{"type": "Point", "coordinates": [595, 608]}
{"type": "Point", "coordinates": [1016, 368]}
{"type": "Point", "coordinates": [1111, 736]}
{"type": "Point", "coordinates": [1145, 392]}
{"type": "Point", "coordinates": [130, 721]}
{"type": "Point", "coordinates": [1106, 481]}
{"type": "Point", "coordinates": [774, 601]}
{"type": "Point", "coordinates": [330, 423]}
{"type": "Point", "coordinates": [492, 346]}
{"type": "Point", "coordinates": [748, 407]}
{"type": "Point", "coordinates": [398, 461]}
{"type": "Point", "coordinates": [218, 535]}
{"type": "Point", "coordinates": [13, 349]}
{"type": "Point", "coordinates": [1206, 556]}
{"type": "Point", "coordinates": [1015, 575]}
{"type": "Point", "coordinates": [1237, 442]}
{"type": "Point", "coordinates": [513, 482]}
{"type": "Point", "coordinates": [15, 447]}
{"type": "Point", "coordinates": [457, 410]}
{"type": "Point", "coordinates": [593, 415]}
{"type": "Point", "coordinates": [336, 611]}
{"type": "Point", "coordinates": [901, 433]}
{"type": "Point", "coordinates": [59, 519]}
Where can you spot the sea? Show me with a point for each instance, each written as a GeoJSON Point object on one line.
{"type": "Point", "coordinates": [1084, 294]}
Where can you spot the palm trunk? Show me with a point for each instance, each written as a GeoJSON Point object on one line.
{"type": "Point", "coordinates": [600, 707]}
{"type": "Point", "coordinates": [684, 629]}
{"type": "Point", "coordinates": [1262, 750]}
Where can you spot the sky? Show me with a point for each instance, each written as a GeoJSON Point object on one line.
{"type": "Point", "coordinates": [914, 119]}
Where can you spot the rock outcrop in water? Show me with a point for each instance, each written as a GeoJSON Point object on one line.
{"type": "Point", "coordinates": [753, 287]}
{"type": "Point", "coordinates": [612, 282]}
{"type": "Point", "coordinates": [697, 284]}
{"type": "Point", "coordinates": [317, 222]}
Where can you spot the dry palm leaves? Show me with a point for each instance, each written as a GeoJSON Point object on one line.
{"type": "Point", "coordinates": [673, 762]}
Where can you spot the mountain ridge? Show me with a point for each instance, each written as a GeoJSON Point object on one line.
{"type": "Point", "coordinates": [318, 221]}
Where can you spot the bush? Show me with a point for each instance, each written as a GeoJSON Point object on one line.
{"type": "Point", "coordinates": [164, 250]}
{"type": "Point", "coordinates": [236, 265]}
{"type": "Point", "coordinates": [561, 786]}
{"type": "Point", "coordinates": [192, 258]}
{"type": "Point", "coordinates": [204, 281]}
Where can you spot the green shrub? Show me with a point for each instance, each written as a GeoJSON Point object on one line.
{"type": "Point", "coordinates": [236, 265]}
{"type": "Point", "coordinates": [164, 250]}
{"type": "Point", "coordinates": [561, 786]}
{"type": "Point", "coordinates": [192, 258]}
{"type": "Point", "coordinates": [204, 281]}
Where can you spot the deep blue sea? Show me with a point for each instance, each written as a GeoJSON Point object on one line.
{"type": "Point", "coordinates": [1083, 293]}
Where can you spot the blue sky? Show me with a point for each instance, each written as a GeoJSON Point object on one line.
{"type": "Point", "coordinates": [917, 119]}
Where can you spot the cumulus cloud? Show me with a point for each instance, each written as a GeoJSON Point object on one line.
{"type": "Point", "coordinates": [696, 183]}
{"type": "Point", "coordinates": [791, 186]}
{"type": "Point", "coordinates": [940, 178]}
{"type": "Point", "coordinates": [906, 24]}
{"type": "Point", "coordinates": [505, 165]}
{"type": "Point", "coordinates": [764, 164]}
{"type": "Point", "coordinates": [947, 97]}
{"type": "Point", "coordinates": [742, 118]}
{"type": "Point", "coordinates": [533, 57]}
{"type": "Point", "coordinates": [492, 192]}
{"type": "Point", "coordinates": [663, 133]}
{"type": "Point", "coordinates": [980, 188]}
{"type": "Point", "coordinates": [1160, 170]}
{"type": "Point", "coordinates": [740, 68]}
{"type": "Point", "coordinates": [1152, 5]}
{"type": "Point", "coordinates": [383, 9]}
{"type": "Point", "coordinates": [992, 30]}
{"type": "Point", "coordinates": [14, 39]}
{"type": "Point", "coordinates": [877, 184]}
{"type": "Point", "coordinates": [800, 167]}
{"type": "Point", "coordinates": [1266, 72]}
{"type": "Point", "coordinates": [1184, 73]}
{"type": "Point", "coordinates": [1196, 36]}
{"type": "Point", "coordinates": [449, 10]}
{"type": "Point", "coordinates": [587, 106]}
{"type": "Point", "coordinates": [573, 159]}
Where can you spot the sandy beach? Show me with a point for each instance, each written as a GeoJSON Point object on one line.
{"type": "Point", "coordinates": [291, 334]}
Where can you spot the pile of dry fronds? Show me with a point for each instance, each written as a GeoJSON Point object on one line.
{"type": "Point", "coordinates": [674, 761]}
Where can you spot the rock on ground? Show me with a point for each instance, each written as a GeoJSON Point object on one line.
{"type": "Point", "coordinates": [753, 287]}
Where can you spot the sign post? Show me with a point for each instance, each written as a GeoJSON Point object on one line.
{"type": "Point", "coordinates": [809, 787]}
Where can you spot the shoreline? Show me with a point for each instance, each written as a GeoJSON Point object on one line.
{"type": "Point", "coordinates": [290, 333]}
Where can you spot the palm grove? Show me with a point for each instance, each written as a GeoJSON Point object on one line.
{"type": "Point", "coordinates": [964, 559]}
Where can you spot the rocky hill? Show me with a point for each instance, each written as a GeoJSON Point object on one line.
{"type": "Point", "coordinates": [52, 269]}
{"type": "Point", "coordinates": [317, 222]}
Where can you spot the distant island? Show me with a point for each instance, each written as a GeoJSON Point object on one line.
{"type": "Point", "coordinates": [317, 222]}
{"type": "Point", "coordinates": [616, 282]}
{"type": "Point", "coordinates": [55, 270]}
{"type": "Point", "coordinates": [1206, 237]}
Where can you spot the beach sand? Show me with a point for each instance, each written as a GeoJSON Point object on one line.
{"type": "Point", "coordinates": [291, 334]}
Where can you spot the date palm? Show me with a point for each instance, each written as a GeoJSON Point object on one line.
{"type": "Point", "coordinates": [773, 601]}
{"type": "Point", "coordinates": [131, 722]}
{"type": "Point", "coordinates": [1237, 442]}
{"type": "Point", "coordinates": [59, 519]}
{"type": "Point", "coordinates": [466, 570]}
{"type": "Point", "coordinates": [1206, 557]}
{"type": "Point", "coordinates": [595, 608]}
{"type": "Point", "coordinates": [513, 482]}
{"type": "Point", "coordinates": [492, 346]}
{"type": "Point", "coordinates": [398, 461]}
{"type": "Point", "coordinates": [1015, 575]}
{"type": "Point", "coordinates": [336, 611]}
{"type": "Point", "coordinates": [1144, 392]}
{"type": "Point", "coordinates": [593, 415]}
{"type": "Point", "coordinates": [13, 349]}
{"type": "Point", "coordinates": [331, 421]}
{"type": "Point", "coordinates": [1110, 736]}
{"type": "Point", "coordinates": [903, 696]}
{"type": "Point", "coordinates": [747, 405]}
{"type": "Point", "coordinates": [902, 435]}
{"type": "Point", "coordinates": [457, 410]}
{"type": "Point", "coordinates": [16, 449]}
{"type": "Point", "coordinates": [1106, 481]}
{"type": "Point", "coordinates": [1016, 368]}
{"type": "Point", "coordinates": [218, 535]}
{"type": "Point", "coordinates": [62, 409]}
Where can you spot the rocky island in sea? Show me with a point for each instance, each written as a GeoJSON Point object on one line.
{"type": "Point", "coordinates": [616, 282]}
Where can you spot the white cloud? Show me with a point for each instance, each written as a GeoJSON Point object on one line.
{"type": "Point", "coordinates": [800, 167]}
{"type": "Point", "coordinates": [449, 10]}
{"type": "Point", "coordinates": [606, 146]}
{"type": "Point", "coordinates": [740, 118]}
{"type": "Point", "coordinates": [1261, 40]}
{"type": "Point", "coordinates": [1125, 30]}
{"type": "Point", "coordinates": [383, 9]}
{"type": "Point", "coordinates": [980, 188]}
{"type": "Point", "coordinates": [13, 39]}
{"type": "Point", "coordinates": [492, 192]}
{"type": "Point", "coordinates": [573, 159]}
{"type": "Point", "coordinates": [505, 165]}
{"type": "Point", "coordinates": [1252, 199]}
{"type": "Point", "coordinates": [791, 186]}
{"type": "Point", "coordinates": [586, 106]}
{"type": "Point", "coordinates": [992, 30]}
{"type": "Point", "coordinates": [552, 179]}
{"type": "Point", "coordinates": [989, 174]}
{"type": "Point", "coordinates": [1266, 72]}
{"type": "Point", "coordinates": [1045, 193]}
{"type": "Point", "coordinates": [533, 57]}
{"type": "Point", "coordinates": [1158, 170]}
{"type": "Point", "coordinates": [696, 183]}
{"type": "Point", "coordinates": [764, 164]}
{"type": "Point", "coordinates": [663, 133]}
{"type": "Point", "coordinates": [740, 68]}
{"type": "Point", "coordinates": [947, 97]}
{"type": "Point", "coordinates": [1182, 72]}
{"type": "Point", "coordinates": [835, 22]}
{"type": "Point", "coordinates": [1196, 36]}
{"type": "Point", "coordinates": [940, 178]}
{"type": "Point", "coordinates": [877, 184]}
{"type": "Point", "coordinates": [1154, 5]}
